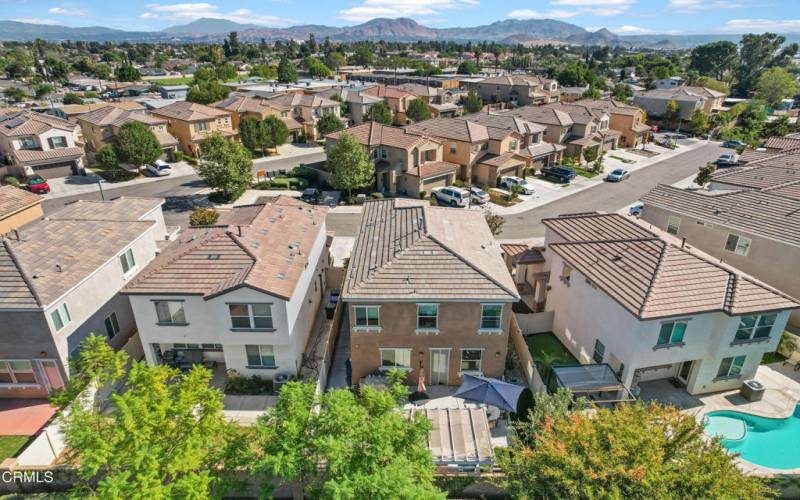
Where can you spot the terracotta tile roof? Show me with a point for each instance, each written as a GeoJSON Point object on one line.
{"type": "Point", "coordinates": [652, 278]}
{"type": "Point", "coordinates": [451, 128]}
{"type": "Point", "coordinates": [386, 91]}
{"type": "Point", "coordinates": [782, 143]}
{"type": "Point", "coordinates": [515, 80]}
{"type": "Point", "coordinates": [513, 249]}
{"type": "Point", "coordinates": [406, 250]}
{"type": "Point", "coordinates": [21, 123]}
{"type": "Point", "coordinates": [759, 213]}
{"type": "Point", "coordinates": [504, 121]}
{"type": "Point", "coordinates": [35, 156]}
{"type": "Point", "coordinates": [190, 111]}
{"type": "Point", "coordinates": [304, 100]}
{"type": "Point", "coordinates": [268, 254]}
{"type": "Point", "coordinates": [609, 106]}
{"type": "Point", "coordinates": [376, 134]}
{"type": "Point", "coordinates": [124, 208]}
{"type": "Point", "coordinates": [14, 199]}
{"type": "Point", "coordinates": [500, 160]}
{"type": "Point", "coordinates": [253, 104]}
{"type": "Point", "coordinates": [418, 89]}
{"type": "Point", "coordinates": [542, 148]}
{"type": "Point", "coordinates": [433, 169]}
{"type": "Point", "coordinates": [768, 172]}
{"type": "Point", "coordinates": [547, 115]}
{"type": "Point", "coordinates": [110, 115]}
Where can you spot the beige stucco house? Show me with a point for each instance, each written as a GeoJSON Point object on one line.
{"type": "Point", "coordinates": [259, 108]}
{"type": "Point", "coordinates": [99, 127]}
{"type": "Point", "coordinates": [516, 90]}
{"type": "Point", "coordinates": [18, 207]}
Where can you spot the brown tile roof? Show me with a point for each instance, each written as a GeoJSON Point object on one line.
{"type": "Point", "coordinates": [35, 156]}
{"type": "Point", "coordinates": [268, 254]}
{"type": "Point", "coordinates": [15, 292]}
{"type": "Point", "coordinates": [418, 89]}
{"type": "Point", "coordinates": [386, 91]}
{"type": "Point", "coordinates": [253, 104]}
{"type": "Point", "coordinates": [433, 169]}
{"type": "Point", "coordinates": [80, 109]}
{"type": "Point", "coordinates": [609, 106]}
{"type": "Point", "coordinates": [547, 115]}
{"type": "Point", "coordinates": [754, 212]}
{"type": "Point", "coordinates": [451, 128]}
{"type": "Point", "coordinates": [376, 134]}
{"type": "Point", "coordinates": [652, 278]}
{"type": "Point", "coordinates": [515, 80]}
{"type": "Point", "coordinates": [768, 172]}
{"type": "Point", "coordinates": [124, 208]}
{"type": "Point", "coordinates": [23, 123]}
{"type": "Point", "coordinates": [304, 100]}
{"type": "Point", "coordinates": [513, 249]}
{"type": "Point", "coordinates": [14, 199]}
{"type": "Point", "coordinates": [410, 251]}
{"type": "Point", "coordinates": [500, 160]}
{"type": "Point", "coordinates": [110, 115]}
{"type": "Point", "coordinates": [542, 148]}
{"type": "Point", "coordinates": [504, 121]}
{"type": "Point", "coordinates": [190, 111]}
{"type": "Point", "coordinates": [782, 143]}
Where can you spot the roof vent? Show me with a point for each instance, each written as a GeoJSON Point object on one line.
{"type": "Point", "coordinates": [280, 276]}
{"type": "Point", "coordinates": [213, 256]}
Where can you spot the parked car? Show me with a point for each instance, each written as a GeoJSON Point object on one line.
{"type": "Point", "coordinates": [636, 208]}
{"type": "Point", "coordinates": [159, 168]}
{"type": "Point", "coordinates": [734, 144]}
{"type": "Point", "coordinates": [478, 195]}
{"type": "Point", "coordinates": [310, 195]}
{"type": "Point", "coordinates": [727, 160]}
{"type": "Point", "coordinates": [618, 175]}
{"type": "Point", "coordinates": [451, 195]}
{"type": "Point", "coordinates": [37, 184]}
{"type": "Point", "coordinates": [507, 182]}
{"type": "Point", "coordinates": [558, 173]}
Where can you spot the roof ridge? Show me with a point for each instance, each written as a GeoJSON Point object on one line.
{"type": "Point", "coordinates": [657, 271]}
{"type": "Point", "coordinates": [22, 272]}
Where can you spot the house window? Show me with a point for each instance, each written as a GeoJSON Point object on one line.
{"type": "Point", "coordinates": [395, 358]}
{"type": "Point", "coordinates": [201, 126]}
{"type": "Point", "coordinates": [755, 327]}
{"type": "Point", "coordinates": [27, 143]}
{"type": "Point", "coordinates": [738, 244]}
{"type": "Point", "coordinates": [170, 312]}
{"type": "Point", "coordinates": [513, 146]}
{"type": "Point", "coordinates": [284, 114]}
{"type": "Point", "coordinates": [374, 154]}
{"type": "Point", "coordinates": [61, 317]}
{"type": "Point", "coordinates": [427, 316]}
{"type": "Point", "coordinates": [731, 367]}
{"type": "Point", "coordinates": [599, 351]}
{"type": "Point", "coordinates": [251, 316]}
{"type": "Point", "coordinates": [671, 333]}
{"type": "Point", "coordinates": [262, 356]}
{"type": "Point", "coordinates": [112, 325]}
{"type": "Point", "coordinates": [491, 315]}
{"type": "Point", "coordinates": [127, 261]}
{"type": "Point", "coordinates": [452, 148]}
{"type": "Point", "coordinates": [367, 316]}
{"type": "Point", "coordinates": [673, 224]}
{"type": "Point", "coordinates": [471, 360]}
{"type": "Point", "coordinates": [384, 154]}
{"type": "Point", "coordinates": [566, 272]}
{"type": "Point", "coordinates": [16, 371]}
{"type": "Point", "coordinates": [57, 142]}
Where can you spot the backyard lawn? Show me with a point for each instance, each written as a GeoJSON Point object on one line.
{"type": "Point", "coordinates": [547, 350]}
{"type": "Point", "coordinates": [10, 445]}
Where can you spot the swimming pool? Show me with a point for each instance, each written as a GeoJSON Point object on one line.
{"type": "Point", "coordinates": [769, 442]}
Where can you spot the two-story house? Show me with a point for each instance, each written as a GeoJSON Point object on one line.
{"type": "Point", "coordinates": [60, 280]}
{"type": "Point", "coordinates": [396, 99]}
{"type": "Point", "coordinates": [241, 106]}
{"type": "Point", "coordinates": [654, 102]}
{"type": "Point", "coordinates": [101, 126]}
{"type": "Point", "coordinates": [517, 90]}
{"type": "Point", "coordinates": [426, 290]}
{"type": "Point", "coordinates": [193, 123]}
{"type": "Point", "coordinates": [36, 143]}
{"type": "Point", "coordinates": [307, 110]}
{"type": "Point", "coordinates": [244, 291]}
{"type": "Point", "coordinates": [628, 120]}
{"type": "Point", "coordinates": [405, 163]}
{"type": "Point", "coordinates": [653, 308]}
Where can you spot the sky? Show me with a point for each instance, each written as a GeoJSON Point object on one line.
{"type": "Point", "coordinates": [624, 17]}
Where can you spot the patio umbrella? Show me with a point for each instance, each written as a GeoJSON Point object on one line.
{"type": "Point", "coordinates": [490, 391]}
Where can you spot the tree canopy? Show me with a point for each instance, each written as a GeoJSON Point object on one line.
{"type": "Point", "coordinates": [226, 166]}
{"type": "Point", "coordinates": [286, 71]}
{"type": "Point", "coordinates": [329, 123]}
{"type": "Point", "coordinates": [350, 164]}
{"type": "Point", "coordinates": [774, 85]}
{"type": "Point", "coordinates": [418, 110]}
{"type": "Point", "coordinates": [717, 59]}
{"type": "Point", "coordinates": [208, 91]}
{"type": "Point", "coordinates": [127, 73]}
{"type": "Point", "coordinates": [467, 68]}
{"type": "Point", "coordinates": [136, 144]}
{"type": "Point", "coordinates": [316, 68]}
{"type": "Point", "coordinates": [379, 112]}
{"type": "Point", "coordinates": [473, 102]}
{"type": "Point", "coordinates": [761, 52]}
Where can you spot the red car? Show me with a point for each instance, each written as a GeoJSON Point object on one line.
{"type": "Point", "coordinates": [38, 185]}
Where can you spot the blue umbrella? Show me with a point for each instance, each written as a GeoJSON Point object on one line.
{"type": "Point", "coordinates": [490, 391]}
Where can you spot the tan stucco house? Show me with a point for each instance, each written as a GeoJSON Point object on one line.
{"type": "Point", "coordinates": [259, 108]}
{"type": "Point", "coordinates": [18, 207]}
{"type": "Point", "coordinates": [516, 90]}
{"type": "Point", "coordinates": [99, 127]}
{"type": "Point", "coordinates": [193, 123]}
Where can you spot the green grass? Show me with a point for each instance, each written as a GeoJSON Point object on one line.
{"type": "Point", "coordinates": [502, 199]}
{"type": "Point", "coordinates": [772, 357]}
{"type": "Point", "coordinates": [10, 446]}
{"type": "Point", "coordinates": [115, 174]}
{"type": "Point", "coordinates": [546, 350]}
{"type": "Point", "coordinates": [585, 173]}
{"type": "Point", "coordinates": [178, 80]}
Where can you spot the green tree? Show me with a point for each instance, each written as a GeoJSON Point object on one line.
{"type": "Point", "coordinates": [42, 90]}
{"type": "Point", "coordinates": [254, 135]}
{"type": "Point", "coordinates": [277, 130]}
{"type": "Point", "coordinates": [350, 164]}
{"type": "Point", "coordinates": [286, 71]}
{"type": "Point", "coordinates": [101, 71]}
{"type": "Point", "coordinates": [335, 60]}
{"type": "Point", "coordinates": [208, 92]}
{"type": "Point", "coordinates": [704, 174]}
{"type": "Point", "coordinates": [418, 110]}
{"type": "Point", "coordinates": [717, 59]}
{"type": "Point", "coordinates": [633, 451]}
{"type": "Point", "coordinates": [15, 94]}
{"type": "Point", "coordinates": [370, 450]}
{"type": "Point", "coordinates": [774, 85]}
{"type": "Point", "coordinates": [97, 364]}
{"type": "Point", "coordinates": [71, 98]}
{"type": "Point", "coordinates": [58, 70]}
{"type": "Point", "coordinates": [205, 74]}
{"type": "Point", "coordinates": [136, 144]}
{"type": "Point", "coordinates": [329, 123]}
{"type": "Point", "coordinates": [264, 71]}
{"type": "Point", "coordinates": [758, 53]}
{"type": "Point", "coordinates": [621, 92]}
{"type": "Point", "coordinates": [362, 56]}
{"type": "Point", "coordinates": [127, 73]}
{"type": "Point", "coordinates": [226, 72]}
{"type": "Point", "coordinates": [380, 112]}
{"type": "Point", "coordinates": [591, 93]}
{"type": "Point", "coordinates": [473, 102]}
{"type": "Point", "coordinates": [711, 83]}
{"type": "Point", "coordinates": [698, 122]}
{"type": "Point", "coordinates": [778, 127]}
{"type": "Point", "coordinates": [227, 167]}
{"type": "Point", "coordinates": [107, 157]}
{"type": "Point", "coordinates": [316, 68]}
{"type": "Point", "coordinates": [672, 113]}
{"type": "Point", "coordinates": [467, 68]}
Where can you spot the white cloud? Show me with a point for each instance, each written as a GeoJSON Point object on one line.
{"type": "Point", "coordinates": [192, 11]}
{"type": "Point", "coordinates": [66, 11]}
{"type": "Point", "coordinates": [546, 14]}
{"type": "Point", "coordinates": [693, 5]}
{"type": "Point", "coordinates": [35, 20]}
{"type": "Point", "coordinates": [628, 29]}
{"type": "Point", "coordinates": [416, 9]}
{"type": "Point", "coordinates": [589, 3]}
{"type": "Point", "coordinates": [761, 25]}
{"type": "Point", "coordinates": [604, 8]}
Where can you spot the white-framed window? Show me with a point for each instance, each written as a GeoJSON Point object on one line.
{"type": "Point", "coordinates": [262, 356]}
{"type": "Point", "coordinates": [57, 142]}
{"type": "Point", "coordinates": [738, 244]}
{"type": "Point", "coordinates": [395, 358]}
{"type": "Point", "coordinates": [671, 333]}
{"type": "Point", "coordinates": [491, 316]}
{"type": "Point", "coordinates": [28, 143]}
{"type": "Point", "coordinates": [599, 351]}
{"type": "Point", "coordinates": [112, 325]}
{"type": "Point", "coordinates": [673, 224]}
{"type": "Point", "coordinates": [755, 327]}
{"type": "Point", "coordinates": [367, 316]}
{"type": "Point", "coordinates": [427, 316]}
{"type": "Point", "coordinates": [251, 316]}
{"type": "Point", "coordinates": [201, 126]}
{"type": "Point", "coordinates": [17, 371]}
{"type": "Point", "coordinates": [471, 360]}
{"type": "Point", "coordinates": [170, 312]}
{"type": "Point", "coordinates": [60, 316]}
{"type": "Point", "coordinates": [127, 261]}
{"type": "Point", "coordinates": [731, 367]}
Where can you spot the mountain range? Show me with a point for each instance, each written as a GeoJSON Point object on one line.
{"type": "Point", "coordinates": [401, 29]}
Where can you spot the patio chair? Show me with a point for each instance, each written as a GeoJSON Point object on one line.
{"type": "Point", "coordinates": [793, 361]}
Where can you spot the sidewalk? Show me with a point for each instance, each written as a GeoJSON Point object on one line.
{"type": "Point", "coordinates": [286, 151]}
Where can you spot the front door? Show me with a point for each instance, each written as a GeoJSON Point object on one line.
{"type": "Point", "coordinates": [684, 371]}
{"type": "Point", "coordinates": [440, 363]}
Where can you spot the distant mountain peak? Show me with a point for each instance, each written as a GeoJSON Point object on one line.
{"type": "Point", "coordinates": [209, 26]}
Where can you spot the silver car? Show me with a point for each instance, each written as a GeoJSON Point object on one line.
{"type": "Point", "coordinates": [618, 175]}
{"type": "Point", "coordinates": [159, 168]}
{"type": "Point", "coordinates": [478, 195]}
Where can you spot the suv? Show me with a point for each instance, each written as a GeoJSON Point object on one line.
{"type": "Point", "coordinates": [453, 196]}
{"type": "Point", "coordinates": [310, 195]}
{"type": "Point", "coordinates": [159, 168]}
{"type": "Point", "coordinates": [507, 182]}
{"type": "Point", "coordinates": [558, 173]}
{"type": "Point", "coordinates": [727, 160]}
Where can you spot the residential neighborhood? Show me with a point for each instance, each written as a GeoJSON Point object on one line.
{"type": "Point", "coordinates": [334, 252]}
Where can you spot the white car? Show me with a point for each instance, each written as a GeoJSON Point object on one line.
{"type": "Point", "coordinates": [507, 182]}
{"type": "Point", "coordinates": [450, 195]}
{"type": "Point", "coordinates": [636, 209]}
{"type": "Point", "coordinates": [478, 195]}
{"type": "Point", "coordinates": [159, 168]}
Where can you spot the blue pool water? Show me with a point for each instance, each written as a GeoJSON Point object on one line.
{"type": "Point", "coordinates": [770, 442]}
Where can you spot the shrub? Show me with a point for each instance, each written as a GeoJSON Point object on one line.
{"type": "Point", "coordinates": [12, 181]}
{"type": "Point", "coordinates": [203, 216]}
{"type": "Point", "coordinates": [236, 383]}
{"type": "Point", "coordinates": [423, 194]}
{"type": "Point", "coordinates": [107, 157]}
{"type": "Point", "coordinates": [458, 183]}
{"type": "Point", "coordinates": [179, 156]}
{"type": "Point", "coordinates": [377, 196]}
{"type": "Point", "coordinates": [497, 181]}
{"type": "Point", "coordinates": [192, 160]}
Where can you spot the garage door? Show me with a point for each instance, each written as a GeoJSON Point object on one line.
{"type": "Point", "coordinates": [429, 184]}
{"type": "Point", "coordinates": [54, 170]}
{"type": "Point", "coordinates": [505, 171]}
